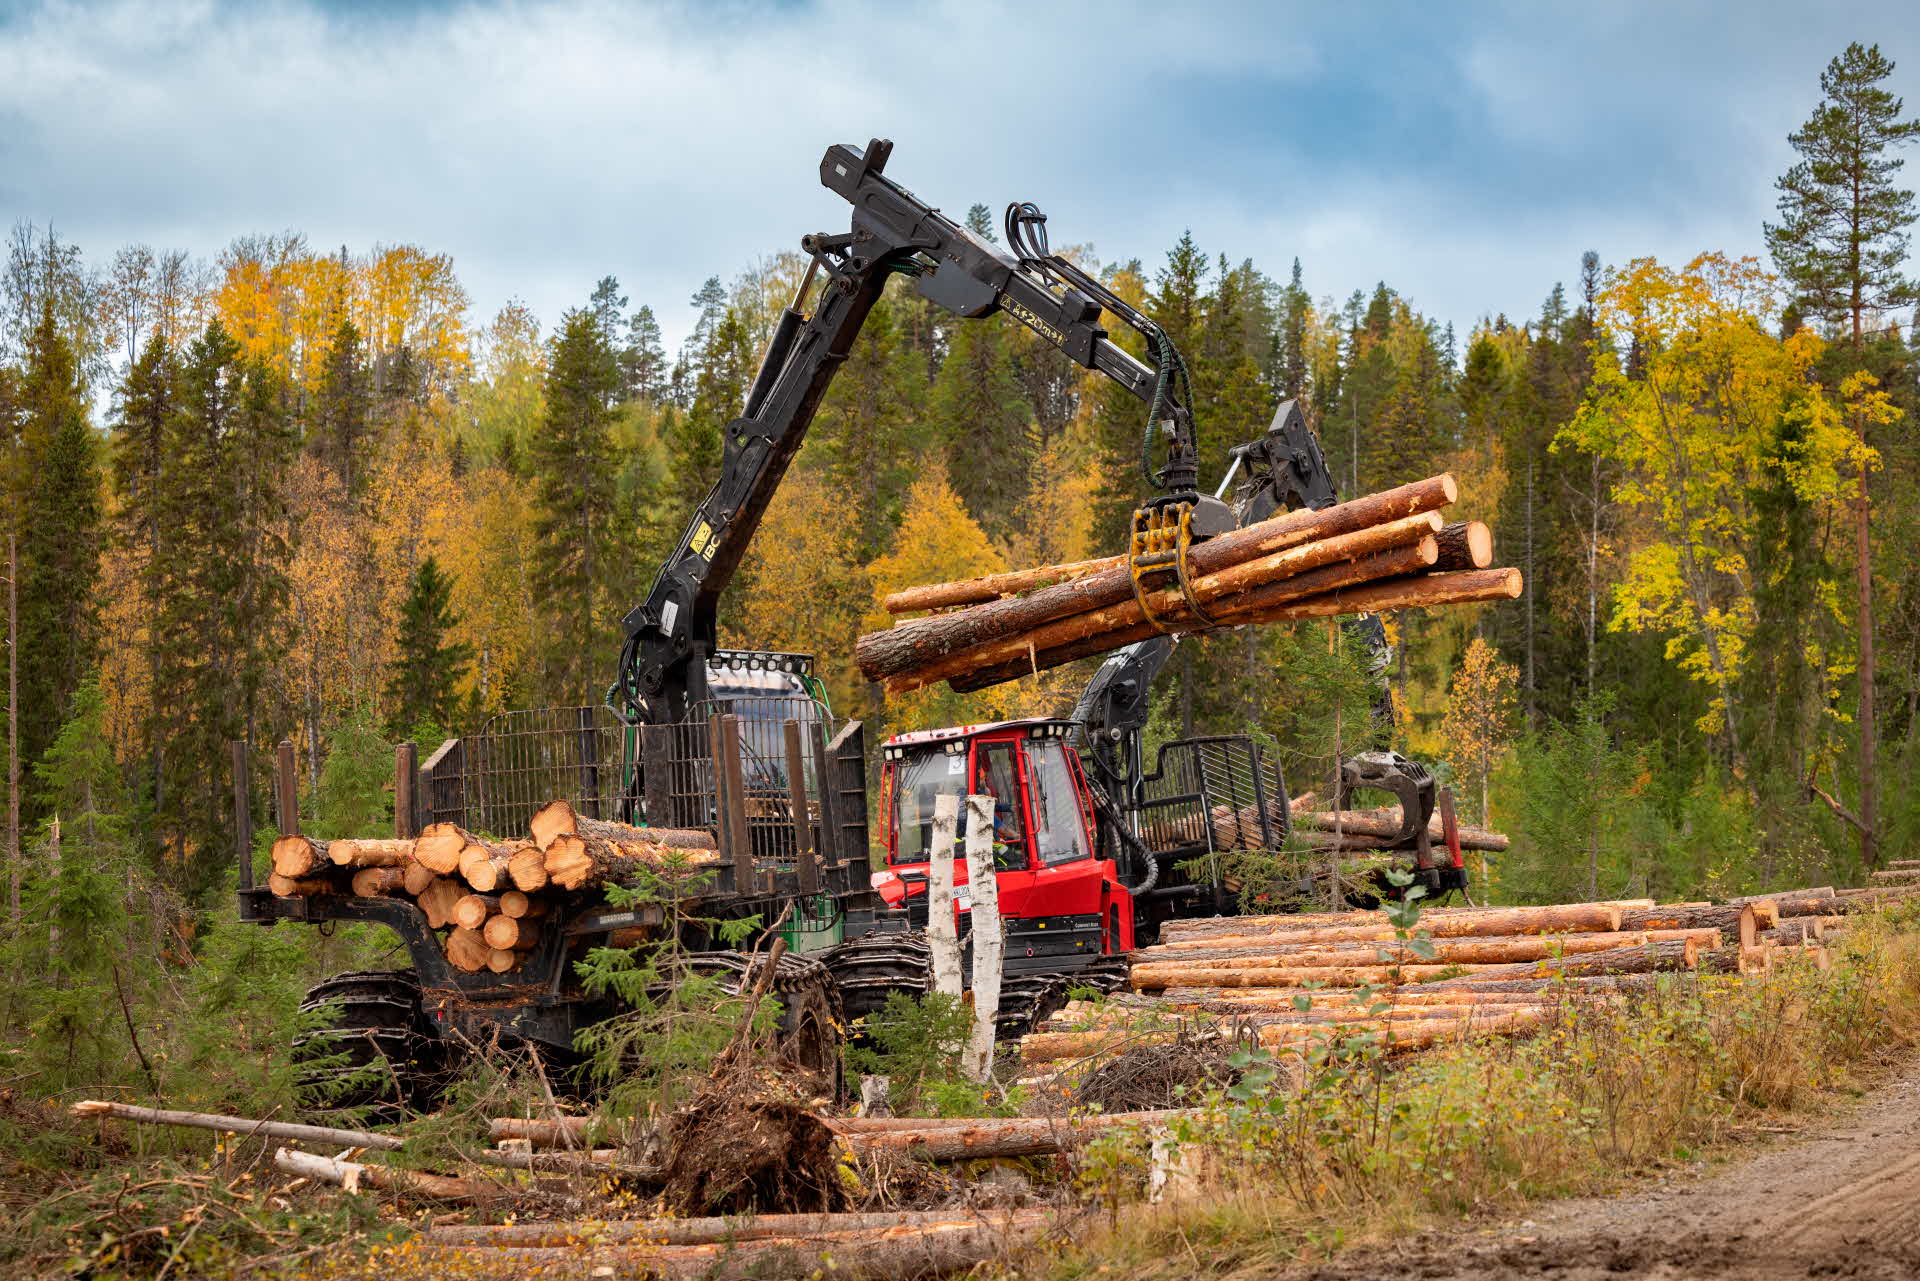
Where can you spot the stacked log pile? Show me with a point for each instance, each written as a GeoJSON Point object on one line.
{"type": "Point", "coordinates": [488, 897]}
{"type": "Point", "coordinates": [1389, 550]}
{"type": "Point", "coordinates": [1288, 981]}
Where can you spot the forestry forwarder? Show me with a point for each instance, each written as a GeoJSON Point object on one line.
{"type": "Point", "coordinates": [737, 742]}
{"type": "Point", "coordinates": [1083, 868]}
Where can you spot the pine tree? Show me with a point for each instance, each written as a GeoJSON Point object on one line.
{"type": "Point", "coordinates": [1841, 242]}
{"type": "Point", "coordinates": [1290, 339]}
{"type": "Point", "coordinates": [342, 411]}
{"type": "Point", "coordinates": [423, 680]}
{"type": "Point", "coordinates": [608, 306]}
{"type": "Point", "coordinates": [574, 469]}
{"type": "Point", "coordinates": [57, 502]}
{"type": "Point", "coordinates": [643, 362]}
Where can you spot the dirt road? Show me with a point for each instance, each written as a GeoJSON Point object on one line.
{"type": "Point", "coordinates": [1841, 1199]}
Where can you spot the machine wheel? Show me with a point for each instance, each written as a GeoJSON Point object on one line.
{"type": "Point", "coordinates": [376, 1050]}
{"type": "Point", "coordinates": [866, 969]}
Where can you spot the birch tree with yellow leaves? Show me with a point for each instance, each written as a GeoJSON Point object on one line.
{"type": "Point", "coordinates": [1716, 409]}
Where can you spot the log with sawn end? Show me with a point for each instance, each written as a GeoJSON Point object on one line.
{"type": "Point", "coordinates": [558, 818]}
{"type": "Point", "coordinates": [370, 853]}
{"type": "Point", "coordinates": [576, 862]}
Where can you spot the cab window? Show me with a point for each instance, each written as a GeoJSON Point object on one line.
{"type": "Point", "coordinates": [997, 774]}
{"type": "Point", "coordinates": [921, 782]}
{"type": "Point", "coordinates": [1059, 834]}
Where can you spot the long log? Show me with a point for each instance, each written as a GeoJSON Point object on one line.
{"type": "Point", "coordinates": [1149, 978]}
{"type": "Point", "coordinates": [1420, 591]}
{"type": "Point", "coordinates": [246, 1127]}
{"type": "Point", "coordinates": [299, 856]}
{"type": "Point", "coordinates": [467, 950]}
{"type": "Point", "coordinates": [1520, 921]}
{"type": "Point", "coordinates": [1820, 892]}
{"type": "Point", "coordinates": [374, 882]}
{"type": "Point", "coordinates": [440, 845]}
{"type": "Point", "coordinates": [1386, 822]}
{"type": "Point", "coordinates": [558, 818]}
{"type": "Point", "coordinates": [1048, 1047]}
{"type": "Point", "coordinates": [700, 1231]}
{"type": "Point", "coordinates": [298, 887]}
{"type": "Point", "coordinates": [353, 1175]}
{"type": "Point", "coordinates": [1029, 1136]}
{"type": "Point", "coordinates": [1648, 958]}
{"type": "Point", "coordinates": [510, 932]}
{"type": "Point", "coordinates": [1474, 951]}
{"type": "Point", "coordinates": [1465, 922]}
{"type": "Point", "coordinates": [470, 911]}
{"type": "Point", "coordinates": [527, 869]}
{"type": "Point", "coordinates": [483, 865]}
{"type": "Point", "coordinates": [520, 906]}
{"type": "Point", "coordinates": [1236, 1000]}
{"type": "Point", "coordinates": [910, 645]}
{"type": "Point", "coordinates": [437, 900]}
{"type": "Point", "coordinates": [575, 862]}
{"type": "Point", "coordinates": [1398, 547]}
{"type": "Point", "coordinates": [1726, 918]}
{"type": "Point", "coordinates": [986, 587]}
{"type": "Point", "coordinates": [1466, 544]}
{"type": "Point", "coordinates": [917, 1251]}
{"type": "Point", "coordinates": [373, 853]}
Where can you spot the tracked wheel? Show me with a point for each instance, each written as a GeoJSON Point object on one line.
{"type": "Point", "coordinates": [376, 1050]}
{"type": "Point", "coordinates": [869, 968]}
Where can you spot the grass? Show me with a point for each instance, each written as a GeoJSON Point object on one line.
{"type": "Point", "coordinates": [1365, 1150]}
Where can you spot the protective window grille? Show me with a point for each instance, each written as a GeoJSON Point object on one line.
{"type": "Point", "coordinates": [493, 781]}
{"type": "Point", "coordinates": [1211, 794]}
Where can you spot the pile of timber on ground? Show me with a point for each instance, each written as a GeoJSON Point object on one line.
{"type": "Point", "coordinates": [489, 897]}
{"type": "Point", "coordinates": [1389, 550]}
{"type": "Point", "coordinates": [1285, 982]}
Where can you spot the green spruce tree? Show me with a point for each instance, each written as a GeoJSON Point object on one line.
{"type": "Point", "coordinates": [423, 680]}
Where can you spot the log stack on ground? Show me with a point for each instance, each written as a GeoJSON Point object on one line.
{"type": "Point", "coordinates": [1389, 550]}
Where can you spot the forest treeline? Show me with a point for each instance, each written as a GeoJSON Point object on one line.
{"type": "Point", "coordinates": [305, 493]}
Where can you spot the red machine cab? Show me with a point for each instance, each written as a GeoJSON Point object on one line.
{"type": "Point", "coordinates": [1058, 900]}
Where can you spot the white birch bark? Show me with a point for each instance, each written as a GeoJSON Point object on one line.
{"type": "Point", "coordinates": [988, 935]}
{"type": "Point", "coordinates": [942, 935]}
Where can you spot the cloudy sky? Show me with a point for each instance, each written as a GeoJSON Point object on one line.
{"type": "Point", "coordinates": [1464, 153]}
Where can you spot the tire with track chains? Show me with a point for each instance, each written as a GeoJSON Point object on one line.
{"type": "Point", "coordinates": [376, 1050]}
{"type": "Point", "coordinates": [871, 966]}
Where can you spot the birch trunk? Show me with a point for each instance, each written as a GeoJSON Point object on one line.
{"type": "Point", "coordinates": [942, 933]}
{"type": "Point", "coordinates": [989, 935]}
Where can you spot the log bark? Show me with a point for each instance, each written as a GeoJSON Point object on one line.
{"type": "Point", "coordinates": [1385, 822]}
{"type": "Point", "coordinates": [437, 900]}
{"type": "Point", "coordinates": [1466, 544]}
{"type": "Point", "coordinates": [352, 1176]}
{"type": "Point", "coordinates": [1896, 876]}
{"type": "Point", "coordinates": [1399, 547]}
{"type": "Point", "coordinates": [912, 644]}
{"type": "Point", "coordinates": [700, 1231]}
{"type": "Point", "coordinates": [1491, 924]}
{"type": "Point", "coordinates": [988, 587]}
{"type": "Point", "coordinates": [440, 845]}
{"type": "Point", "coordinates": [373, 853]}
{"type": "Point", "coordinates": [246, 1127]}
{"type": "Point", "coordinates": [470, 911]}
{"type": "Point", "coordinates": [558, 818]}
{"type": "Point", "coordinates": [1726, 918]}
{"type": "Point", "coordinates": [374, 882]}
{"type": "Point", "coordinates": [1650, 958]}
{"type": "Point", "coordinates": [552, 1132]}
{"type": "Point", "coordinates": [467, 950]}
{"type": "Point", "coordinates": [299, 856]}
{"type": "Point", "coordinates": [577, 862]}
{"type": "Point", "coordinates": [1464, 922]}
{"type": "Point", "coordinates": [1470, 951]}
{"type": "Point", "coordinates": [988, 937]}
{"type": "Point", "coordinates": [511, 933]}
{"type": "Point", "coordinates": [527, 869]}
{"type": "Point", "coordinates": [1029, 1136]}
{"type": "Point", "coordinates": [1238, 1000]}
{"type": "Point", "coordinates": [1417, 591]}
{"type": "Point", "coordinates": [1150, 978]}
{"type": "Point", "coordinates": [298, 887]}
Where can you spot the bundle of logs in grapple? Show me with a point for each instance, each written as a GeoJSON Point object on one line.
{"type": "Point", "coordinates": [489, 896]}
{"type": "Point", "coordinates": [1390, 550]}
{"type": "Point", "coordinates": [1284, 981]}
